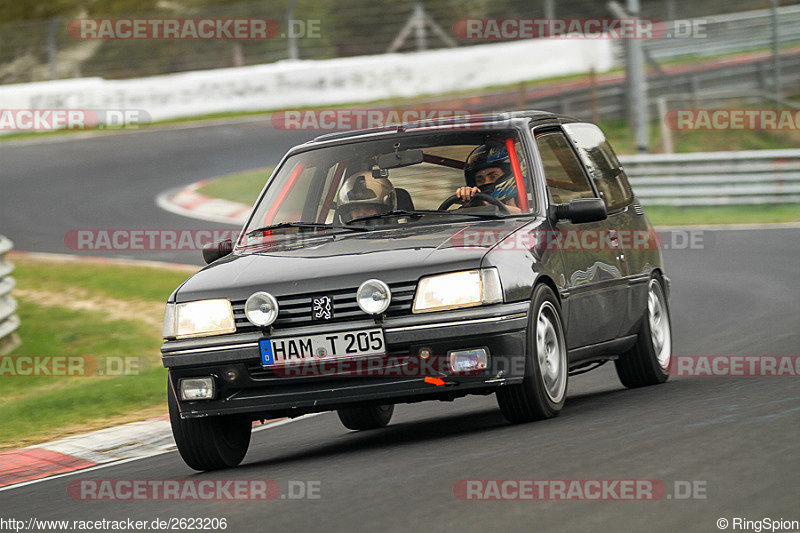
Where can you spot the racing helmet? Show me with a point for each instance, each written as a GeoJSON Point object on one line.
{"type": "Point", "coordinates": [487, 156]}
{"type": "Point", "coordinates": [365, 190]}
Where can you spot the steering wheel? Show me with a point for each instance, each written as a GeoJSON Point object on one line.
{"type": "Point", "coordinates": [478, 196]}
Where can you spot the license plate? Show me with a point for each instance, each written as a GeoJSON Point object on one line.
{"type": "Point", "coordinates": [323, 346]}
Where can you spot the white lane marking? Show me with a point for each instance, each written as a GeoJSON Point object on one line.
{"type": "Point", "coordinates": [151, 454]}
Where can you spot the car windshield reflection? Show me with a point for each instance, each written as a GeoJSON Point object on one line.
{"type": "Point", "coordinates": [376, 184]}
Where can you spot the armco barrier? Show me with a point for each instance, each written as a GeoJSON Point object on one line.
{"type": "Point", "coordinates": [715, 178]}
{"type": "Point", "coordinates": [9, 321]}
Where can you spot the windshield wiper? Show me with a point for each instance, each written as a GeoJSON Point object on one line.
{"type": "Point", "coordinates": [479, 215]}
{"type": "Point", "coordinates": [309, 225]}
{"type": "Point", "coordinates": [397, 213]}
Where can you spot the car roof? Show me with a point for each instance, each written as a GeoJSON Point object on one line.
{"type": "Point", "coordinates": [487, 120]}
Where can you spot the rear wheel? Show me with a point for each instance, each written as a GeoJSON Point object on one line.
{"type": "Point", "coordinates": [209, 443]}
{"type": "Point", "coordinates": [647, 363]}
{"type": "Point", "coordinates": [541, 394]}
{"type": "Point", "coordinates": [367, 417]}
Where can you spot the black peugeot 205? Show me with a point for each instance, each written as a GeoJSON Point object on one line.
{"type": "Point", "coordinates": [421, 261]}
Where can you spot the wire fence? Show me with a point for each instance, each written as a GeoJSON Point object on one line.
{"type": "Point", "coordinates": [35, 50]}
{"type": "Point", "coordinates": [739, 82]}
{"type": "Point", "coordinates": [728, 34]}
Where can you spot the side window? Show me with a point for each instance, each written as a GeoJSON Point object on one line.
{"type": "Point", "coordinates": [566, 179]}
{"type": "Point", "coordinates": [602, 164]}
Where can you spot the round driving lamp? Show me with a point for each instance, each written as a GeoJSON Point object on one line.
{"type": "Point", "coordinates": [261, 308]}
{"type": "Point", "coordinates": [373, 296]}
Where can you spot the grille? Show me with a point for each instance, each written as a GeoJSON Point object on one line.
{"type": "Point", "coordinates": [295, 310]}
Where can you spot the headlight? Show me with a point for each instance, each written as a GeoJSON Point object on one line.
{"type": "Point", "coordinates": [458, 289]}
{"type": "Point", "coordinates": [373, 296]}
{"type": "Point", "coordinates": [261, 308]}
{"type": "Point", "coordinates": [201, 318]}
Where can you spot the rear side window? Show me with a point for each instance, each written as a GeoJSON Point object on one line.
{"type": "Point", "coordinates": [566, 179]}
{"type": "Point", "coordinates": [602, 164]}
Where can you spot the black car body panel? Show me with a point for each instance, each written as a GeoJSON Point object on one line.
{"type": "Point", "coordinates": [602, 293]}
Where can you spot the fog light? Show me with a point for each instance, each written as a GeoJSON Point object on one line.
{"type": "Point", "coordinates": [467, 360]}
{"type": "Point", "coordinates": [261, 308]}
{"type": "Point", "coordinates": [373, 296]}
{"type": "Point", "coordinates": [197, 388]}
{"type": "Point", "coordinates": [425, 353]}
{"type": "Point", "coordinates": [231, 374]}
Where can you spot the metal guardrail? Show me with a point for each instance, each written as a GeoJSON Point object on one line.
{"type": "Point", "coordinates": [727, 34]}
{"type": "Point", "coordinates": [715, 178]}
{"type": "Point", "coordinates": [9, 321]}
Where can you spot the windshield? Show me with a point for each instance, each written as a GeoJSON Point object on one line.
{"type": "Point", "coordinates": [408, 179]}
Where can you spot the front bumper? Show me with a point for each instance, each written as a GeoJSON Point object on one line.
{"type": "Point", "coordinates": [263, 393]}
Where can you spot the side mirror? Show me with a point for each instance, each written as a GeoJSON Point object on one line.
{"type": "Point", "coordinates": [581, 210]}
{"type": "Point", "coordinates": [215, 250]}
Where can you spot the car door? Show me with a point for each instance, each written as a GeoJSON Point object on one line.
{"type": "Point", "coordinates": [592, 270]}
{"type": "Point", "coordinates": [638, 251]}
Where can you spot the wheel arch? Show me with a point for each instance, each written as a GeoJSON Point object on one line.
{"type": "Point", "coordinates": [546, 280]}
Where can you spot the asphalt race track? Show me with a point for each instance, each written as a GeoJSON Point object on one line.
{"type": "Point", "coordinates": [736, 437]}
{"type": "Point", "coordinates": [110, 182]}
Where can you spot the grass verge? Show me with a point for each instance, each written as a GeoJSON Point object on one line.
{"type": "Point", "coordinates": [241, 187]}
{"type": "Point", "coordinates": [746, 214]}
{"type": "Point", "coordinates": [685, 141]}
{"type": "Point", "coordinates": [56, 323]}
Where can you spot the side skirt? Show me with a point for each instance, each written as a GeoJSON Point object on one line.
{"type": "Point", "coordinates": [600, 351]}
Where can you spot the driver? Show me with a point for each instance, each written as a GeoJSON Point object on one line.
{"type": "Point", "coordinates": [363, 195]}
{"type": "Point", "coordinates": [488, 170]}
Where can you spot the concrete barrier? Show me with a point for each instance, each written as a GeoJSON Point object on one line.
{"type": "Point", "coordinates": [292, 84]}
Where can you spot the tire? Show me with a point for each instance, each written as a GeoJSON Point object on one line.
{"type": "Point", "coordinates": [367, 417]}
{"type": "Point", "coordinates": [647, 363]}
{"type": "Point", "coordinates": [209, 443]}
{"type": "Point", "coordinates": [542, 393]}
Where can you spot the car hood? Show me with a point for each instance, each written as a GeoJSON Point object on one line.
{"type": "Point", "coordinates": [342, 261]}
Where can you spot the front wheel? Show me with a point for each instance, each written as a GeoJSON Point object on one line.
{"type": "Point", "coordinates": [647, 363]}
{"type": "Point", "coordinates": [367, 417]}
{"type": "Point", "coordinates": [542, 392]}
{"type": "Point", "coordinates": [209, 443]}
